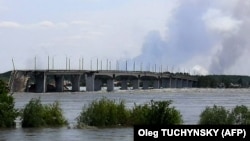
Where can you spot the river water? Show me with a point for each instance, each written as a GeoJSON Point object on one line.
{"type": "Point", "coordinates": [190, 102]}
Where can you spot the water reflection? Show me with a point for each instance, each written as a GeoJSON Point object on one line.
{"type": "Point", "coordinates": [64, 134]}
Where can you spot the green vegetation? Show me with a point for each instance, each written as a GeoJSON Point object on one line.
{"type": "Point", "coordinates": [217, 115]}
{"type": "Point", "coordinates": [225, 81]}
{"type": "Point", "coordinates": [156, 113]}
{"type": "Point", "coordinates": [8, 113]}
{"type": "Point", "coordinates": [102, 113]}
{"type": "Point", "coordinates": [5, 76]}
{"type": "Point", "coordinates": [108, 113]}
{"type": "Point", "coordinates": [35, 114]}
{"type": "Point", "coordinates": [240, 115]}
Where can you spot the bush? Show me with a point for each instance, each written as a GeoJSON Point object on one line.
{"type": "Point", "coordinates": [103, 113]}
{"type": "Point", "coordinates": [239, 115]}
{"type": "Point", "coordinates": [8, 113]}
{"type": "Point", "coordinates": [156, 113]}
{"type": "Point", "coordinates": [215, 115]}
{"type": "Point", "coordinates": [37, 115]}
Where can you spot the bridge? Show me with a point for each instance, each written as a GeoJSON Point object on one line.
{"type": "Point", "coordinates": [41, 81]}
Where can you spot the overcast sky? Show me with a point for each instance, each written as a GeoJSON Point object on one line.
{"type": "Point", "coordinates": [195, 36]}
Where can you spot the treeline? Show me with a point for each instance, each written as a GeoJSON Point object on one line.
{"type": "Point", "coordinates": [5, 76]}
{"type": "Point", "coordinates": [223, 81]}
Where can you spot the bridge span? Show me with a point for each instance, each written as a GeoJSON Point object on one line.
{"type": "Point", "coordinates": [42, 81]}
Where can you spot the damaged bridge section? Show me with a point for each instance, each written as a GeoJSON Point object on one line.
{"type": "Point", "coordinates": [18, 81]}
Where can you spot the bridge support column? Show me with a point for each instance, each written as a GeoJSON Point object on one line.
{"type": "Point", "coordinates": [179, 83]}
{"type": "Point", "coordinates": [145, 84]}
{"type": "Point", "coordinates": [40, 79]}
{"type": "Point", "coordinates": [75, 80]}
{"type": "Point", "coordinates": [184, 83]}
{"type": "Point", "coordinates": [156, 84]}
{"type": "Point", "coordinates": [90, 78]}
{"type": "Point", "coordinates": [190, 84]}
{"type": "Point", "coordinates": [173, 82]}
{"type": "Point", "coordinates": [187, 83]}
{"type": "Point", "coordinates": [166, 83]}
{"type": "Point", "coordinates": [110, 85]}
{"type": "Point", "coordinates": [59, 79]}
{"type": "Point", "coordinates": [98, 84]}
{"type": "Point", "coordinates": [124, 85]}
{"type": "Point", "coordinates": [135, 84]}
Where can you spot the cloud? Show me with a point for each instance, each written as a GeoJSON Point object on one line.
{"type": "Point", "coordinates": [9, 24]}
{"type": "Point", "coordinates": [80, 22]}
{"type": "Point", "coordinates": [47, 24]}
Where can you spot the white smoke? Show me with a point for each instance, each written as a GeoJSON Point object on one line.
{"type": "Point", "coordinates": [234, 30]}
{"type": "Point", "coordinates": [206, 36]}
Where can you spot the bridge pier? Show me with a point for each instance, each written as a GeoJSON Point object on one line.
{"type": "Point", "coordinates": [179, 83]}
{"type": "Point", "coordinates": [166, 83]}
{"type": "Point", "coordinates": [98, 85]}
{"type": "Point", "coordinates": [156, 84]}
{"type": "Point", "coordinates": [110, 85]}
{"type": "Point", "coordinates": [75, 80]}
{"type": "Point", "coordinates": [90, 81]}
{"type": "Point", "coordinates": [59, 79]}
{"type": "Point", "coordinates": [190, 84]}
{"type": "Point", "coordinates": [40, 80]}
{"type": "Point", "coordinates": [145, 84]}
{"type": "Point", "coordinates": [124, 85]}
{"type": "Point", "coordinates": [185, 84]}
{"type": "Point", "coordinates": [173, 82]}
{"type": "Point", "coordinates": [135, 84]}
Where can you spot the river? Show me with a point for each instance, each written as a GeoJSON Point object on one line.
{"type": "Point", "coordinates": [190, 102]}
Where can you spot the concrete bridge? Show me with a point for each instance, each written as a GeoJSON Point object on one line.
{"type": "Point", "coordinates": [40, 81]}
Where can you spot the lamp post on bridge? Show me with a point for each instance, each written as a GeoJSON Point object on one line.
{"type": "Point", "coordinates": [53, 61]}
{"type": "Point", "coordinates": [117, 65]}
{"type": "Point", "coordinates": [81, 63]}
{"type": "Point", "coordinates": [92, 62]}
{"type": "Point", "coordinates": [35, 63]}
{"type": "Point", "coordinates": [141, 66]}
{"type": "Point", "coordinates": [69, 63]}
{"type": "Point", "coordinates": [48, 62]}
{"type": "Point", "coordinates": [126, 65]}
{"type": "Point", "coordinates": [66, 62]}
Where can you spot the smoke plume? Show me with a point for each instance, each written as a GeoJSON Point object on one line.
{"type": "Point", "coordinates": [235, 44]}
{"type": "Point", "coordinates": [215, 30]}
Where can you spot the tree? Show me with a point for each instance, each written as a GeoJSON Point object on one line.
{"type": "Point", "coordinates": [8, 113]}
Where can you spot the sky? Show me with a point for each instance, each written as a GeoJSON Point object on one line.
{"type": "Point", "coordinates": [195, 36]}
